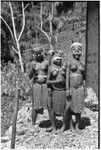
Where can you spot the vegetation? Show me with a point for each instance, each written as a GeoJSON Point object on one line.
{"type": "Point", "coordinates": [24, 25]}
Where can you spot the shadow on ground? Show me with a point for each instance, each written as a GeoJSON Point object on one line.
{"type": "Point", "coordinates": [47, 124]}
{"type": "Point", "coordinates": [85, 121]}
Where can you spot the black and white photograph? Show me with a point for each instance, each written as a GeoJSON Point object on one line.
{"type": "Point", "coordinates": [50, 75]}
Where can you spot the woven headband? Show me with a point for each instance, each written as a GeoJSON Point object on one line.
{"type": "Point", "coordinates": [75, 44]}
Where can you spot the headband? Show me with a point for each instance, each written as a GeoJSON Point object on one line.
{"type": "Point", "coordinates": [55, 58]}
{"type": "Point", "coordinates": [76, 44]}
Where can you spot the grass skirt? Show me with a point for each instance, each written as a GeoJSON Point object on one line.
{"type": "Point", "coordinates": [77, 99]}
{"type": "Point", "coordinates": [59, 101]}
{"type": "Point", "coordinates": [39, 95]}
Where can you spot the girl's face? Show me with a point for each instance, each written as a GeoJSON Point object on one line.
{"type": "Point", "coordinates": [58, 62]}
{"type": "Point", "coordinates": [77, 51]}
{"type": "Point", "coordinates": [39, 56]}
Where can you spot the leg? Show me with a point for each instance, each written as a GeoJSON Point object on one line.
{"type": "Point", "coordinates": [34, 116]}
{"type": "Point", "coordinates": [78, 117]}
{"type": "Point", "coordinates": [66, 116]}
{"type": "Point", "coordinates": [34, 111]}
{"type": "Point", "coordinates": [71, 124]}
{"type": "Point", "coordinates": [51, 115]}
{"type": "Point", "coordinates": [64, 122]}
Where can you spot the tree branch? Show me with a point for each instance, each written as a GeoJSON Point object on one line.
{"type": "Point", "coordinates": [52, 9]}
{"type": "Point", "coordinates": [14, 49]}
{"type": "Point", "coordinates": [26, 6]}
{"type": "Point", "coordinates": [23, 22]}
{"type": "Point", "coordinates": [41, 15]}
{"type": "Point", "coordinates": [8, 26]}
{"type": "Point", "coordinates": [15, 34]}
{"type": "Point", "coordinates": [44, 33]}
{"type": "Point", "coordinates": [6, 3]}
{"type": "Point", "coordinates": [12, 17]}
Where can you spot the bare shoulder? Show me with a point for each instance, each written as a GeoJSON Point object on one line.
{"type": "Point", "coordinates": [64, 65]}
{"type": "Point", "coordinates": [46, 62]}
{"type": "Point", "coordinates": [32, 64]}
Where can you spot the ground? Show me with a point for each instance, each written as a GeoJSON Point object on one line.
{"type": "Point", "coordinates": [34, 137]}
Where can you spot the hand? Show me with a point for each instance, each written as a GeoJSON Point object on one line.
{"type": "Point", "coordinates": [49, 92]}
{"type": "Point", "coordinates": [52, 82]}
{"type": "Point", "coordinates": [67, 93]}
{"type": "Point", "coordinates": [48, 83]}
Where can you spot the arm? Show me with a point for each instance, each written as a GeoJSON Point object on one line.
{"type": "Point", "coordinates": [48, 76]}
{"type": "Point", "coordinates": [83, 70]}
{"type": "Point", "coordinates": [48, 79]}
{"type": "Point", "coordinates": [84, 79]}
{"type": "Point", "coordinates": [31, 70]}
{"type": "Point", "coordinates": [68, 78]}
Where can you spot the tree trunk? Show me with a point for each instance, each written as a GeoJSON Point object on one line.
{"type": "Point", "coordinates": [41, 15]}
{"type": "Point", "coordinates": [13, 138]}
{"type": "Point", "coordinates": [20, 58]}
{"type": "Point", "coordinates": [92, 45]}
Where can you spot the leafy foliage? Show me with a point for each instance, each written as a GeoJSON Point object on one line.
{"type": "Point", "coordinates": [11, 72]}
{"type": "Point", "coordinates": [64, 13]}
{"type": "Point", "coordinates": [10, 75]}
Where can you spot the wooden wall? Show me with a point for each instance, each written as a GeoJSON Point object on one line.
{"type": "Point", "coordinates": [92, 45]}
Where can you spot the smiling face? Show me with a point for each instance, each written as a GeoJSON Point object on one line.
{"type": "Point", "coordinates": [77, 51]}
{"type": "Point", "coordinates": [39, 56]}
{"type": "Point", "coordinates": [58, 62]}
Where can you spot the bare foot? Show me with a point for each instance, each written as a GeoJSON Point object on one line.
{"type": "Point", "coordinates": [62, 129]}
{"type": "Point", "coordinates": [77, 130]}
{"type": "Point", "coordinates": [53, 129]}
{"type": "Point", "coordinates": [49, 129]}
{"type": "Point", "coordinates": [72, 126]}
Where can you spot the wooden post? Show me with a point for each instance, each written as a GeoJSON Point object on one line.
{"type": "Point", "coordinates": [15, 117]}
{"type": "Point", "coordinates": [32, 97]}
{"type": "Point", "coordinates": [92, 45]}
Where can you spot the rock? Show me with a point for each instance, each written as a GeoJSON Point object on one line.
{"type": "Point", "coordinates": [21, 132]}
{"type": "Point", "coordinates": [3, 145]}
{"type": "Point", "coordinates": [21, 148]}
{"type": "Point", "coordinates": [8, 133]}
{"type": "Point", "coordinates": [4, 139]}
{"type": "Point", "coordinates": [91, 97]}
{"type": "Point", "coordinates": [20, 121]}
{"type": "Point", "coordinates": [21, 129]}
{"type": "Point", "coordinates": [92, 121]}
{"type": "Point", "coordinates": [8, 144]}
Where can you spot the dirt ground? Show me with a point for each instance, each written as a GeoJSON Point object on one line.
{"type": "Point", "coordinates": [33, 137]}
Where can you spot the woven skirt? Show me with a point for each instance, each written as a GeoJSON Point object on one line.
{"type": "Point", "coordinates": [39, 95]}
{"type": "Point", "coordinates": [77, 99]}
{"type": "Point", "coordinates": [59, 101]}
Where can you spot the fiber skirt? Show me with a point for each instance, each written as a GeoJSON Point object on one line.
{"type": "Point", "coordinates": [59, 101]}
{"type": "Point", "coordinates": [77, 99]}
{"type": "Point", "coordinates": [39, 95]}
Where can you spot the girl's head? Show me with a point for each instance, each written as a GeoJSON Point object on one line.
{"type": "Point", "coordinates": [57, 60]}
{"type": "Point", "coordinates": [76, 49]}
{"type": "Point", "coordinates": [39, 54]}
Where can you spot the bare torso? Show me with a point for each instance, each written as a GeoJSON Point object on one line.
{"type": "Point", "coordinates": [58, 75]}
{"type": "Point", "coordinates": [76, 73]}
{"type": "Point", "coordinates": [40, 71]}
